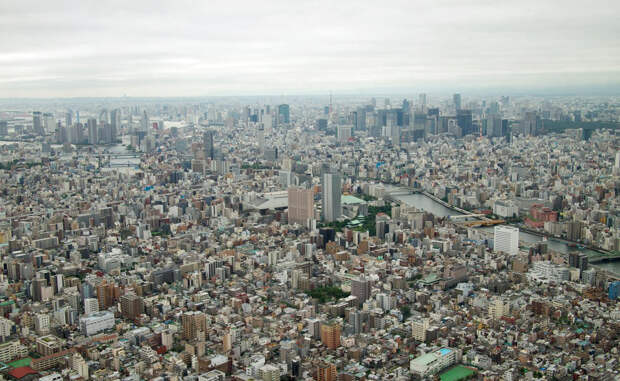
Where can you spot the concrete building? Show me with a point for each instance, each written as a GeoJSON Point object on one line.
{"type": "Point", "coordinates": [432, 363]}
{"type": "Point", "coordinates": [506, 239]}
{"type": "Point", "coordinates": [96, 322]}
{"type": "Point", "coordinates": [332, 208]}
{"type": "Point", "coordinates": [300, 205]}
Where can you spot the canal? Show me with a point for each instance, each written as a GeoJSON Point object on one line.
{"type": "Point", "coordinates": [429, 205]}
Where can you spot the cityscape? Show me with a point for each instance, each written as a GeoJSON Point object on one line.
{"type": "Point", "coordinates": [311, 222]}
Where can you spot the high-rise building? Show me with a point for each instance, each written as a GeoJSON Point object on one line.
{"type": "Point", "coordinates": [531, 124]}
{"type": "Point", "coordinates": [506, 239]}
{"type": "Point", "coordinates": [207, 143]}
{"type": "Point", "coordinates": [132, 306]}
{"type": "Point", "coordinates": [326, 372]}
{"type": "Point", "coordinates": [332, 208]}
{"type": "Point", "coordinates": [456, 99]}
{"type": "Point", "coordinates": [464, 120]}
{"type": "Point", "coordinates": [92, 131]}
{"type": "Point", "coordinates": [192, 323]}
{"type": "Point", "coordinates": [284, 114]}
{"type": "Point", "coordinates": [37, 123]}
{"type": "Point", "coordinates": [107, 295]}
{"type": "Point", "coordinates": [69, 118]}
{"type": "Point", "coordinates": [300, 205]}
{"type": "Point", "coordinates": [330, 334]}
{"type": "Point", "coordinates": [419, 328]}
{"type": "Point", "coordinates": [578, 260]}
{"type": "Point", "coordinates": [360, 288]}
{"type": "Point", "coordinates": [344, 133]}
{"type": "Point", "coordinates": [91, 305]}
{"type": "Point", "coordinates": [422, 101]}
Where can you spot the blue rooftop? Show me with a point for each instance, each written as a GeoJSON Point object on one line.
{"type": "Point", "coordinates": [445, 351]}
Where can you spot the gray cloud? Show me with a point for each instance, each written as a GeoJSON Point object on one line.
{"type": "Point", "coordinates": [151, 48]}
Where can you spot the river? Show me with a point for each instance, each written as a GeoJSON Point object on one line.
{"type": "Point", "coordinates": [427, 204]}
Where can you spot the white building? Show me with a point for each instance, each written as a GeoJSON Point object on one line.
{"type": "Point", "coordinates": [434, 362]}
{"type": "Point", "coordinates": [79, 365]}
{"type": "Point", "coordinates": [91, 305]}
{"type": "Point", "coordinates": [547, 271]}
{"type": "Point", "coordinates": [42, 323]}
{"type": "Point", "coordinates": [270, 373]}
{"type": "Point", "coordinates": [256, 362]}
{"type": "Point", "coordinates": [503, 208]}
{"type": "Point", "coordinates": [96, 322]}
{"type": "Point", "coordinates": [419, 328]}
{"type": "Point", "coordinates": [497, 308]}
{"type": "Point", "coordinates": [506, 239]}
{"type": "Point", "coordinates": [12, 350]}
{"type": "Point", "coordinates": [6, 327]}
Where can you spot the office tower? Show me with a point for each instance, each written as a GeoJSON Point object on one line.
{"type": "Point", "coordinates": [284, 114]}
{"type": "Point", "coordinates": [464, 120]}
{"type": "Point", "coordinates": [90, 305]}
{"type": "Point", "coordinates": [506, 239]}
{"type": "Point", "coordinates": [207, 143]}
{"type": "Point", "coordinates": [37, 124]}
{"type": "Point", "coordinates": [332, 209]}
{"type": "Point", "coordinates": [326, 372]}
{"type": "Point", "coordinates": [330, 334]}
{"type": "Point", "coordinates": [193, 322]}
{"type": "Point", "coordinates": [531, 124]}
{"type": "Point", "coordinates": [91, 124]}
{"type": "Point", "coordinates": [360, 288]}
{"type": "Point", "coordinates": [456, 99]}
{"type": "Point", "coordinates": [300, 205]}
{"type": "Point", "coordinates": [344, 133]}
{"type": "Point", "coordinates": [145, 123]}
{"type": "Point", "coordinates": [494, 126]}
{"type": "Point", "coordinates": [115, 123]}
{"type": "Point", "coordinates": [132, 306]}
{"type": "Point", "coordinates": [69, 118]}
{"type": "Point", "coordinates": [422, 101]}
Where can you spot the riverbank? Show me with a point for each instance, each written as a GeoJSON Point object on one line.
{"type": "Point", "coordinates": [423, 202]}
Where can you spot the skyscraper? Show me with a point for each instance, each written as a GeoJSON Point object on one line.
{"type": "Point", "coordinates": [456, 99]}
{"type": "Point", "coordinates": [531, 124]}
{"type": "Point", "coordinates": [300, 205]}
{"type": "Point", "coordinates": [207, 142]}
{"type": "Point", "coordinates": [92, 131]}
{"type": "Point", "coordinates": [284, 113]}
{"type": "Point", "coordinates": [332, 209]}
{"type": "Point", "coordinates": [464, 120]}
{"type": "Point", "coordinates": [37, 125]}
{"type": "Point", "coordinates": [506, 239]}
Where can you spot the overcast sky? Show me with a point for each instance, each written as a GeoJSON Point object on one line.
{"type": "Point", "coordinates": [195, 48]}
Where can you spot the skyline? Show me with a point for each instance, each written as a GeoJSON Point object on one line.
{"type": "Point", "coordinates": [224, 49]}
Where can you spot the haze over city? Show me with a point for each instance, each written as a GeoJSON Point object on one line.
{"type": "Point", "coordinates": [186, 48]}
